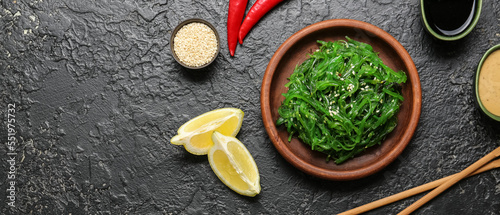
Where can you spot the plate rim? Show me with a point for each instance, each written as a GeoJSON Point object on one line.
{"type": "Point", "coordinates": [392, 154]}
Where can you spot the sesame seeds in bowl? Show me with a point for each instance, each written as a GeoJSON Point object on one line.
{"type": "Point", "coordinates": [195, 43]}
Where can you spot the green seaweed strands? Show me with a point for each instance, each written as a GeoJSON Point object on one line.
{"type": "Point", "coordinates": [342, 100]}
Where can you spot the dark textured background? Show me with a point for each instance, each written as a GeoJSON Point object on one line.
{"type": "Point", "coordinates": [99, 96]}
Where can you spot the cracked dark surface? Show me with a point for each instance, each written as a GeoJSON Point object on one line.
{"type": "Point", "coordinates": [98, 97]}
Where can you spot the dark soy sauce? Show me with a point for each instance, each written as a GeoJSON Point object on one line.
{"type": "Point", "coordinates": [449, 17]}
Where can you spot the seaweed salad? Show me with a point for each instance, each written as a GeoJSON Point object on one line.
{"type": "Point", "coordinates": [342, 100]}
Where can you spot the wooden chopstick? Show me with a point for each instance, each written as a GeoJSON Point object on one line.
{"type": "Point", "coordinates": [416, 190]}
{"type": "Point", "coordinates": [454, 179]}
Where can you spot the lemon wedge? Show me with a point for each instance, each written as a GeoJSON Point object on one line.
{"type": "Point", "coordinates": [234, 165]}
{"type": "Point", "coordinates": [196, 134]}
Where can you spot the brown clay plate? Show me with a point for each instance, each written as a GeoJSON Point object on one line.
{"type": "Point", "coordinates": [294, 51]}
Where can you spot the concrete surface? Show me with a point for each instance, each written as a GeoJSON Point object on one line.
{"type": "Point", "coordinates": [98, 96]}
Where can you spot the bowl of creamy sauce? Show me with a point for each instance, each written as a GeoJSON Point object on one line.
{"type": "Point", "coordinates": [488, 83]}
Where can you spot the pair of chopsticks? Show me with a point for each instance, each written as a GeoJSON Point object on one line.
{"type": "Point", "coordinates": [439, 186]}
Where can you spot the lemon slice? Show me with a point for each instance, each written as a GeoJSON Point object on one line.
{"type": "Point", "coordinates": [234, 165]}
{"type": "Point", "coordinates": [196, 134]}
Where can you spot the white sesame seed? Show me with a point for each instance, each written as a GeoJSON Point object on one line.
{"type": "Point", "coordinates": [195, 44]}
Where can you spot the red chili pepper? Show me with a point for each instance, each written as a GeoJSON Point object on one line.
{"type": "Point", "coordinates": [234, 17]}
{"type": "Point", "coordinates": [258, 10]}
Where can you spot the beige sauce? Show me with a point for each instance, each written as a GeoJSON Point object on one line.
{"type": "Point", "coordinates": [489, 83]}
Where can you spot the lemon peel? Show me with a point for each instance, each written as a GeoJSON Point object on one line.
{"type": "Point", "coordinates": [234, 165]}
{"type": "Point", "coordinates": [195, 135]}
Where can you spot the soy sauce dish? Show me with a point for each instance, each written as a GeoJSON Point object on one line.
{"type": "Point", "coordinates": [450, 20]}
{"type": "Point", "coordinates": [487, 83]}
